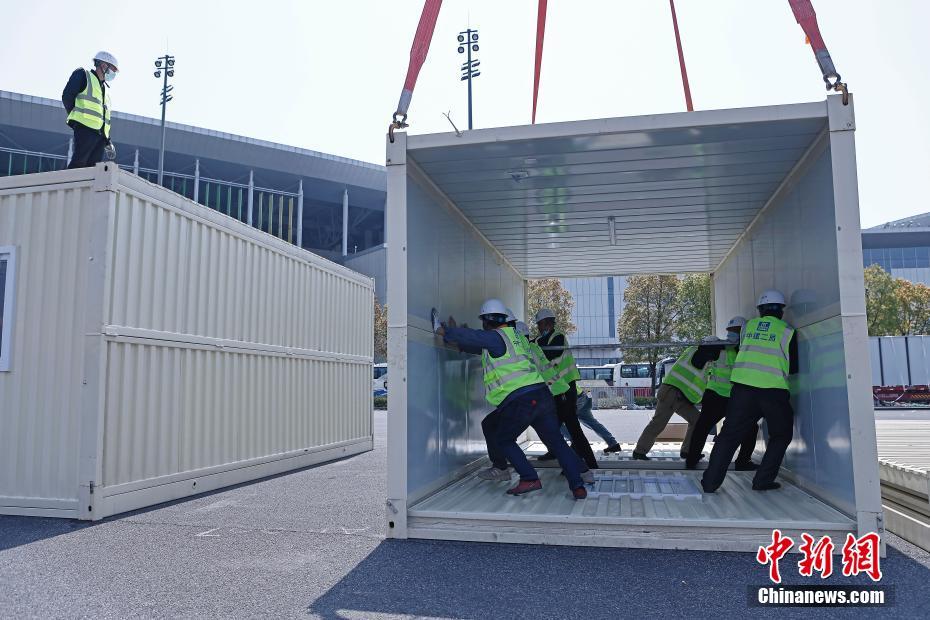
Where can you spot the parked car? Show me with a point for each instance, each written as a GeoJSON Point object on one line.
{"type": "Point", "coordinates": [379, 380]}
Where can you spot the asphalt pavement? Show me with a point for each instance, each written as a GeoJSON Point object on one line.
{"type": "Point", "coordinates": [310, 544]}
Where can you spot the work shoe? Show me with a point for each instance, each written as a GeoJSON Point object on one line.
{"type": "Point", "coordinates": [766, 486]}
{"type": "Point", "coordinates": [639, 456]}
{"type": "Point", "coordinates": [613, 448]}
{"type": "Point", "coordinates": [548, 456]}
{"type": "Point", "coordinates": [748, 466]}
{"type": "Point", "coordinates": [580, 493]}
{"type": "Point", "coordinates": [494, 474]}
{"type": "Point", "coordinates": [707, 488]}
{"type": "Point", "coordinates": [587, 477]}
{"type": "Point", "coordinates": [525, 486]}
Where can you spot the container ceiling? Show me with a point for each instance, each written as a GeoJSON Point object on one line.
{"type": "Point", "coordinates": [668, 193]}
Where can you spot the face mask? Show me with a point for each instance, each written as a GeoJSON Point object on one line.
{"type": "Point", "coordinates": [545, 333]}
{"type": "Point", "coordinates": [733, 337]}
{"type": "Point", "coordinates": [109, 76]}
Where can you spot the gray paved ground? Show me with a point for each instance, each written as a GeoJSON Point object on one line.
{"type": "Point", "coordinates": [309, 544]}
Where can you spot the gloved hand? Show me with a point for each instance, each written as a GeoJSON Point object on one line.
{"type": "Point", "coordinates": [109, 152]}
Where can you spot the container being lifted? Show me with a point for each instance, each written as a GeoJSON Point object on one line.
{"type": "Point", "coordinates": [759, 198]}
{"type": "Point", "coordinates": [154, 349]}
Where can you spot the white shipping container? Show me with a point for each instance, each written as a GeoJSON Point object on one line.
{"type": "Point", "coordinates": [759, 198]}
{"type": "Point", "coordinates": [154, 348]}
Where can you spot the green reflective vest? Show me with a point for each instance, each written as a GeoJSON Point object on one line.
{"type": "Point", "coordinates": [690, 380]}
{"type": "Point", "coordinates": [91, 106]}
{"type": "Point", "coordinates": [511, 371]}
{"type": "Point", "coordinates": [762, 360]}
{"type": "Point", "coordinates": [560, 371]}
{"type": "Point", "coordinates": [718, 373]}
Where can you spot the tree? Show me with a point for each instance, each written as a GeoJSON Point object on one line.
{"type": "Point", "coordinates": [881, 301]}
{"type": "Point", "coordinates": [895, 306]}
{"type": "Point", "coordinates": [694, 307]}
{"type": "Point", "coordinates": [650, 315]}
{"type": "Point", "coordinates": [380, 332]}
{"type": "Point", "coordinates": [550, 293]}
{"type": "Point", "coordinates": [913, 307]}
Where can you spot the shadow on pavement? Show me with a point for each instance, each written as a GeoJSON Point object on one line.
{"type": "Point", "coordinates": [16, 531]}
{"type": "Point", "coordinates": [471, 580]}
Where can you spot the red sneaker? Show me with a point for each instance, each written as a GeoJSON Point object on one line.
{"type": "Point", "coordinates": [525, 486]}
{"type": "Point", "coordinates": [580, 493]}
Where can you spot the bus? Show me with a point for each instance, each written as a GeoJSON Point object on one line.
{"type": "Point", "coordinates": [596, 376]}
{"type": "Point", "coordinates": [639, 375]}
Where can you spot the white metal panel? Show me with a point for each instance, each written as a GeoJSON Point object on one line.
{"type": "Point", "coordinates": [451, 268]}
{"type": "Point", "coordinates": [919, 355]}
{"type": "Point", "coordinates": [680, 189]}
{"type": "Point", "coordinates": [875, 358]}
{"type": "Point", "coordinates": [173, 270]}
{"type": "Point", "coordinates": [180, 409]}
{"type": "Point", "coordinates": [792, 247]}
{"type": "Point", "coordinates": [50, 218]}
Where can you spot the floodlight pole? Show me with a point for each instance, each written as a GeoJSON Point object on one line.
{"type": "Point", "coordinates": [168, 71]}
{"type": "Point", "coordinates": [468, 42]}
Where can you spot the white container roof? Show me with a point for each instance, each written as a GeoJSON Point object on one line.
{"type": "Point", "coordinates": [664, 193]}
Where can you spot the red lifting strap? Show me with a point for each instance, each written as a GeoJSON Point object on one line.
{"type": "Point", "coordinates": [807, 18]}
{"type": "Point", "coordinates": [681, 60]}
{"type": "Point", "coordinates": [540, 35]}
{"type": "Point", "coordinates": [418, 51]}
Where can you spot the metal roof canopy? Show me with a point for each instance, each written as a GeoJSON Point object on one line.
{"type": "Point", "coordinates": [667, 193]}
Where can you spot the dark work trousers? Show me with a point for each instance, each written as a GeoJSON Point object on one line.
{"type": "Point", "coordinates": [535, 409]}
{"type": "Point", "coordinates": [714, 409]}
{"type": "Point", "coordinates": [490, 426]}
{"type": "Point", "coordinates": [88, 147]}
{"type": "Point", "coordinates": [748, 404]}
{"type": "Point", "coordinates": [567, 409]}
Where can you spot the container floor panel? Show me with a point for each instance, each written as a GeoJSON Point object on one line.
{"type": "Point", "coordinates": [664, 455]}
{"type": "Point", "coordinates": [736, 518]}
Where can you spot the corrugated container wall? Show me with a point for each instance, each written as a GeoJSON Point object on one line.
{"type": "Point", "coordinates": [162, 349]}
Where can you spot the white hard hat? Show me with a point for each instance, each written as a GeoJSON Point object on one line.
{"type": "Point", "coordinates": [738, 322]}
{"type": "Point", "coordinates": [493, 306]}
{"type": "Point", "coordinates": [522, 329]}
{"type": "Point", "coordinates": [771, 296]}
{"type": "Point", "coordinates": [107, 57]}
{"type": "Point", "coordinates": [543, 314]}
{"type": "Point", "coordinates": [510, 315]}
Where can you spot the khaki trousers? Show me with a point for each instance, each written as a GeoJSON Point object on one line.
{"type": "Point", "coordinates": [669, 400]}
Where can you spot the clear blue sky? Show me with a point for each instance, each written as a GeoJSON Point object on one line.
{"type": "Point", "coordinates": [326, 75]}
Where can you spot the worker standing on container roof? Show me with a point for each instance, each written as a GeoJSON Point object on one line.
{"type": "Point", "coordinates": [87, 102]}
{"type": "Point", "coordinates": [768, 354]}
{"type": "Point", "coordinates": [520, 396]}
{"type": "Point", "coordinates": [558, 368]}
{"type": "Point", "coordinates": [682, 388]}
{"type": "Point", "coordinates": [714, 403]}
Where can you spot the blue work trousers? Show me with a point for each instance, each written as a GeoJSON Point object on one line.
{"type": "Point", "coordinates": [534, 409]}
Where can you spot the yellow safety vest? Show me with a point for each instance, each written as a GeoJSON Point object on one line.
{"type": "Point", "coordinates": [92, 106]}
{"type": "Point", "coordinates": [511, 371]}
{"type": "Point", "coordinates": [558, 372]}
{"type": "Point", "coordinates": [684, 376]}
{"type": "Point", "coordinates": [762, 361]}
{"type": "Point", "coordinates": [718, 375]}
